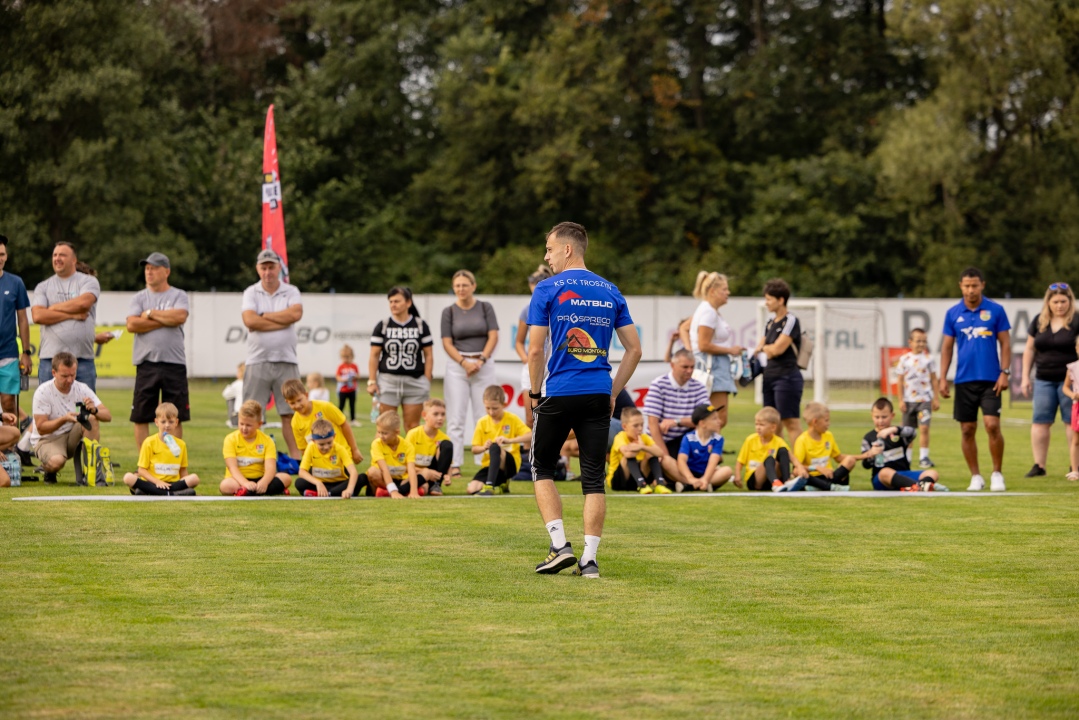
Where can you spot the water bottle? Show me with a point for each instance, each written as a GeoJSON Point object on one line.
{"type": "Point", "coordinates": [747, 372]}
{"type": "Point", "coordinates": [171, 444]}
{"type": "Point", "coordinates": [878, 460]}
{"type": "Point", "coordinates": [374, 408]}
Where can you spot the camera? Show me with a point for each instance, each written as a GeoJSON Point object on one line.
{"type": "Point", "coordinates": [84, 415]}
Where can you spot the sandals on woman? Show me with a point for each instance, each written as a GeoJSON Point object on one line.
{"type": "Point", "coordinates": [1073, 476]}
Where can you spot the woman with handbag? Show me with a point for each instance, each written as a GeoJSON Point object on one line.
{"type": "Point", "coordinates": [782, 380]}
{"type": "Point", "coordinates": [712, 341]}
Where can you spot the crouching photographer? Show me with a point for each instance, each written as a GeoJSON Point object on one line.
{"type": "Point", "coordinates": [65, 411]}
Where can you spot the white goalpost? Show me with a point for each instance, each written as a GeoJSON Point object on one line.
{"type": "Point", "coordinates": [845, 370]}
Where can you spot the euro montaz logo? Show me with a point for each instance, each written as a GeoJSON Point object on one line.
{"type": "Point", "coordinates": [580, 345]}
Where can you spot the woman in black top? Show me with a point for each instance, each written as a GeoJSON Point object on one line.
{"type": "Point", "coordinates": [782, 380]}
{"type": "Point", "coordinates": [1050, 347]}
{"type": "Point", "coordinates": [402, 359]}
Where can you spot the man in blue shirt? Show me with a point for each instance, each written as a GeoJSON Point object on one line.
{"type": "Point", "coordinates": [13, 304]}
{"type": "Point", "coordinates": [572, 319]}
{"type": "Point", "coordinates": [975, 328]}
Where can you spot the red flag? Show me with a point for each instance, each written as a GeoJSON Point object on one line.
{"type": "Point", "coordinates": [273, 213]}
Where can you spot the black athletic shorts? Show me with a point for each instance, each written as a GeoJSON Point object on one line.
{"type": "Point", "coordinates": [971, 396]}
{"type": "Point", "coordinates": [156, 379]}
{"type": "Point", "coordinates": [589, 417]}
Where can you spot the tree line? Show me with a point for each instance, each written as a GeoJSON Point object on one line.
{"type": "Point", "coordinates": [855, 147]}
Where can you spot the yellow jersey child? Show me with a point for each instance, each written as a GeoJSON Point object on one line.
{"type": "Point", "coordinates": [392, 458]}
{"type": "Point", "coordinates": [251, 458]}
{"type": "Point", "coordinates": [498, 437]}
{"type": "Point", "coordinates": [434, 449]}
{"type": "Point", "coordinates": [306, 411]}
{"type": "Point", "coordinates": [764, 462]}
{"type": "Point", "coordinates": [163, 460]}
{"type": "Point", "coordinates": [327, 469]}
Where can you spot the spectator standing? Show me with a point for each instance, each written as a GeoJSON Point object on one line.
{"type": "Point", "coordinates": [712, 339]}
{"type": "Point", "coordinates": [1050, 348]}
{"type": "Point", "coordinates": [782, 380]}
{"type": "Point", "coordinates": [670, 402]}
{"type": "Point", "coordinates": [13, 324]}
{"type": "Point", "coordinates": [520, 343]}
{"type": "Point", "coordinates": [402, 359]}
{"type": "Point", "coordinates": [271, 308]}
{"type": "Point", "coordinates": [469, 336]}
{"type": "Point", "coordinates": [974, 328]}
{"type": "Point", "coordinates": [156, 318]}
{"type": "Point", "coordinates": [65, 306]}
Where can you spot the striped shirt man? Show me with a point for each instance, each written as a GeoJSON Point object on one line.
{"type": "Point", "coordinates": [668, 399]}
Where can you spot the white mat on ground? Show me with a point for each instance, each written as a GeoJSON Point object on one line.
{"type": "Point", "coordinates": [696, 495]}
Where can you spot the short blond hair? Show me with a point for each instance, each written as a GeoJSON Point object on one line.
{"type": "Point", "coordinates": [293, 388]}
{"type": "Point", "coordinates": [768, 415]}
{"type": "Point", "coordinates": [494, 393]}
{"type": "Point", "coordinates": [322, 426]}
{"type": "Point", "coordinates": [628, 413]}
{"type": "Point", "coordinates": [251, 409]}
{"type": "Point", "coordinates": [432, 403]}
{"type": "Point", "coordinates": [389, 420]}
{"type": "Point", "coordinates": [815, 411]}
{"type": "Point", "coordinates": [167, 411]}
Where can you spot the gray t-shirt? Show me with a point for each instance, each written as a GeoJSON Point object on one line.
{"type": "Point", "coordinates": [165, 344]}
{"type": "Point", "coordinates": [276, 345]}
{"type": "Point", "coordinates": [74, 336]}
{"type": "Point", "coordinates": [469, 328]}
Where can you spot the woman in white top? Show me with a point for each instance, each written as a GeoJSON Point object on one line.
{"type": "Point", "coordinates": [712, 339]}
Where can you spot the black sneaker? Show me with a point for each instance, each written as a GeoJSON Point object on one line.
{"type": "Point", "coordinates": [1036, 471]}
{"type": "Point", "coordinates": [589, 570]}
{"type": "Point", "coordinates": [25, 458]}
{"type": "Point", "coordinates": [487, 491]}
{"type": "Point", "coordinates": [557, 560]}
{"type": "Point", "coordinates": [50, 478]}
{"type": "Point", "coordinates": [183, 493]}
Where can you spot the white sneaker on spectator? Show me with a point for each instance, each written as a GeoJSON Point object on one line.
{"type": "Point", "coordinates": [996, 482]}
{"type": "Point", "coordinates": [977, 483]}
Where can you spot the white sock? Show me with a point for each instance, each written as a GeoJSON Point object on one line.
{"type": "Point", "coordinates": [923, 453]}
{"type": "Point", "coordinates": [591, 547]}
{"type": "Point", "coordinates": [557, 533]}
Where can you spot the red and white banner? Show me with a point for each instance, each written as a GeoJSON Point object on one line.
{"type": "Point", "coordinates": [273, 212]}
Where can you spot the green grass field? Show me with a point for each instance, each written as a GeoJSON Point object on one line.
{"type": "Point", "coordinates": [724, 606]}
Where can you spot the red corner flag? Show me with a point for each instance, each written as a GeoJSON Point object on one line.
{"type": "Point", "coordinates": [273, 214]}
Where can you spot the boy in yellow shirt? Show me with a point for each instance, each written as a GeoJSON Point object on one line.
{"type": "Point", "coordinates": [764, 462]}
{"type": "Point", "coordinates": [816, 448]}
{"type": "Point", "coordinates": [326, 469]}
{"type": "Point", "coordinates": [251, 458]}
{"type": "Point", "coordinates": [306, 411]}
{"type": "Point", "coordinates": [163, 459]}
{"type": "Point", "coordinates": [636, 462]}
{"type": "Point", "coordinates": [392, 458]}
{"type": "Point", "coordinates": [434, 450]}
{"type": "Point", "coordinates": [498, 437]}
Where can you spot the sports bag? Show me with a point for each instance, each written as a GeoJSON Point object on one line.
{"type": "Point", "coordinates": [93, 464]}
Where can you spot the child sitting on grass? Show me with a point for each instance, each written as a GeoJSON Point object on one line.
{"type": "Point", "coordinates": [327, 469]}
{"type": "Point", "coordinates": [884, 451]}
{"type": "Point", "coordinates": [636, 461]}
{"type": "Point", "coordinates": [816, 448]}
{"type": "Point", "coordinates": [307, 411]}
{"type": "Point", "coordinates": [764, 461]}
{"type": "Point", "coordinates": [499, 436]}
{"type": "Point", "coordinates": [393, 458]}
{"type": "Point", "coordinates": [251, 458]}
{"type": "Point", "coordinates": [163, 459]}
{"type": "Point", "coordinates": [434, 450]}
{"type": "Point", "coordinates": [700, 458]}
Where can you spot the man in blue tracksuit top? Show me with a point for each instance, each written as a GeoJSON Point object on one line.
{"type": "Point", "coordinates": [975, 328]}
{"type": "Point", "coordinates": [572, 319]}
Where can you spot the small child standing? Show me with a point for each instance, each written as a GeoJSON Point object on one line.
{"type": "Point", "coordinates": [327, 469]}
{"type": "Point", "coordinates": [1071, 389]}
{"type": "Point", "coordinates": [884, 451]}
{"type": "Point", "coordinates": [234, 395]}
{"type": "Point", "coordinates": [635, 462]}
{"type": "Point", "coordinates": [764, 461]}
{"type": "Point", "coordinates": [163, 459]}
{"type": "Point", "coordinates": [316, 387]}
{"type": "Point", "coordinates": [434, 450]}
{"type": "Point", "coordinates": [347, 372]}
{"type": "Point", "coordinates": [916, 372]}
{"type": "Point", "coordinates": [251, 458]}
{"type": "Point", "coordinates": [392, 458]}
{"type": "Point", "coordinates": [700, 458]}
{"type": "Point", "coordinates": [498, 437]}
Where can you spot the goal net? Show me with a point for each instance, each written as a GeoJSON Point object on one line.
{"type": "Point", "coordinates": [845, 370]}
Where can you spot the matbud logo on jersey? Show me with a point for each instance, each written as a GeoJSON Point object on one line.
{"type": "Point", "coordinates": [580, 345]}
